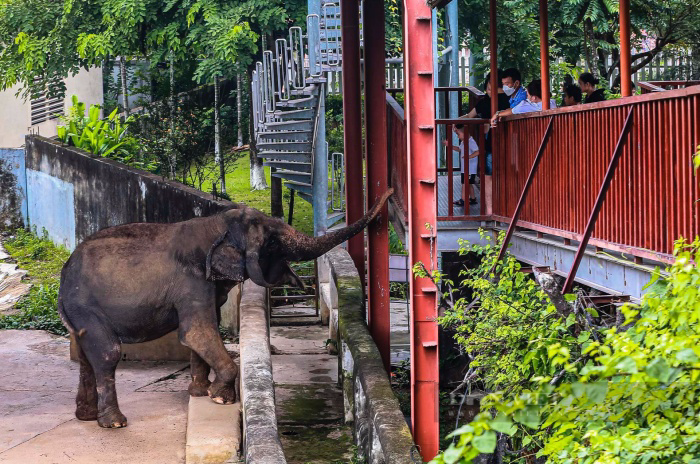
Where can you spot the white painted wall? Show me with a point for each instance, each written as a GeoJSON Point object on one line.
{"type": "Point", "coordinates": [15, 113]}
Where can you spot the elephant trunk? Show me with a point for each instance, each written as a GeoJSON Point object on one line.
{"type": "Point", "coordinates": [301, 247]}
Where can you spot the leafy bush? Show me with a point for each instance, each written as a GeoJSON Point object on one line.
{"type": "Point", "coordinates": [582, 388]}
{"type": "Point", "coordinates": [103, 137]}
{"type": "Point", "coordinates": [43, 261]}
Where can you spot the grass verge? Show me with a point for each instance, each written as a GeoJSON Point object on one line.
{"type": "Point", "coordinates": [43, 261]}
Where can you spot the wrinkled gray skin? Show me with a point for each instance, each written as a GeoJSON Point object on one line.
{"type": "Point", "coordinates": [137, 282]}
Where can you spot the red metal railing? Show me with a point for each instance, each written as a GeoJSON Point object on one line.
{"type": "Point", "coordinates": [398, 161]}
{"type": "Point", "coordinates": [653, 196]}
{"type": "Point", "coordinates": [660, 86]}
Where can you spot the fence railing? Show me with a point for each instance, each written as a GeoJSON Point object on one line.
{"type": "Point", "coordinates": [653, 198]}
{"type": "Point", "coordinates": [661, 86]}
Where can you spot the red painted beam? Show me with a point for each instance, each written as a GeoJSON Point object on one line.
{"type": "Point", "coordinates": [625, 53]}
{"type": "Point", "coordinates": [352, 123]}
{"type": "Point", "coordinates": [544, 54]}
{"type": "Point", "coordinates": [378, 304]}
{"type": "Point", "coordinates": [493, 51]}
{"type": "Point", "coordinates": [422, 246]}
{"type": "Point", "coordinates": [600, 199]}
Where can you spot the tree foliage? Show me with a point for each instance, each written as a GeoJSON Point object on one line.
{"type": "Point", "coordinates": [586, 387]}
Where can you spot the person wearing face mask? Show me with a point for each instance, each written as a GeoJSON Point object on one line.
{"type": "Point", "coordinates": [588, 83]}
{"type": "Point", "coordinates": [512, 87]}
{"type": "Point", "coordinates": [530, 105]}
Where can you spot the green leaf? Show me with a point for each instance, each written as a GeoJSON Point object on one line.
{"type": "Point", "coordinates": [452, 454]}
{"type": "Point", "coordinates": [596, 391]}
{"type": "Point", "coordinates": [687, 355]}
{"type": "Point", "coordinates": [504, 425]}
{"type": "Point", "coordinates": [570, 320]}
{"type": "Point", "coordinates": [659, 369]}
{"type": "Point", "coordinates": [486, 442]}
{"type": "Point", "coordinates": [530, 416]}
{"type": "Point", "coordinates": [627, 365]}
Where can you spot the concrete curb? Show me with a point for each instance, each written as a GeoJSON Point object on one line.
{"type": "Point", "coordinates": [262, 443]}
{"type": "Point", "coordinates": [381, 431]}
{"type": "Point", "coordinates": [213, 432]}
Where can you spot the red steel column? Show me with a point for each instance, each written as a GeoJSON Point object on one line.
{"type": "Point", "coordinates": [544, 54]}
{"type": "Point", "coordinates": [493, 51]}
{"type": "Point", "coordinates": [377, 180]}
{"type": "Point", "coordinates": [625, 69]}
{"type": "Point", "coordinates": [352, 123]}
{"type": "Point", "coordinates": [420, 123]}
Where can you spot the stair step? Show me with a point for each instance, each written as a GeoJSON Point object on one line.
{"type": "Point", "coordinates": [290, 165]}
{"type": "Point", "coordinates": [296, 176]}
{"type": "Point", "coordinates": [306, 125]}
{"type": "Point", "coordinates": [301, 187]}
{"type": "Point", "coordinates": [305, 114]}
{"type": "Point", "coordinates": [304, 157]}
{"type": "Point", "coordinates": [307, 91]}
{"type": "Point", "coordinates": [306, 197]}
{"type": "Point", "coordinates": [299, 136]}
{"type": "Point", "coordinates": [335, 217]}
{"type": "Point", "coordinates": [308, 102]}
{"type": "Point", "coordinates": [284, 146]}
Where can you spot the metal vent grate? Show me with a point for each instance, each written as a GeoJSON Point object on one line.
{"type": "Point", "coordinates": [45, 107]}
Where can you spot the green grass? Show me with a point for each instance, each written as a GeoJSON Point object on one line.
{"type": "Point", "coordinates": [238, 187]}
{"type": "Point", "coordinates": [43, 261]}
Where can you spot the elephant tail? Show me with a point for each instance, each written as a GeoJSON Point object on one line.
{"type": "Point", "coordinates": [64, 318]}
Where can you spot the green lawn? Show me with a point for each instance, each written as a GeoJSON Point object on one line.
{"type": "Point", "coordinates": [238, 187]}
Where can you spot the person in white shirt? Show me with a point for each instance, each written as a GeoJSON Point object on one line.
{"type": "Point", "coordinates": [472, 162]}
{"type": "Point", "coordinates": [531, 105]}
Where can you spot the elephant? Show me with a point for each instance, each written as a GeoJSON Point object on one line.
{"type": "Point", "coordinates": [137, 282]}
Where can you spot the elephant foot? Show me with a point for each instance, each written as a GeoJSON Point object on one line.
{"type": "Point", "coordinates": [222, 393]}
{"type": "Point", "coordinates": [199, 389]}
{"type": "Point", "coordinates": [112, 420]}
{"type": "Point", "coordinates": [86, 412]}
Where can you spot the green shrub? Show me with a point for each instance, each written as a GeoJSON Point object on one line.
{"type": "Point", "coordinates": [585, 389]}
{"type": "Point", "coordinates": [43, 261]}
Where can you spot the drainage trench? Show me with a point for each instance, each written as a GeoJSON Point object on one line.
{"type": "Point", "coordinates": [308, 399]}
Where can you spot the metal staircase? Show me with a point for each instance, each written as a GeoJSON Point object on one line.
{"type": "Point", "coordinates": [288, 88]}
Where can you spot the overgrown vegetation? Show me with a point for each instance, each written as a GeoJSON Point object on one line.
{"type": "Point", "coordinates": [571, 383]}
{"type": "Point", "coordinates": [43, 261]}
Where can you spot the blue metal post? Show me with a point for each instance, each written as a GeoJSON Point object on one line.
{"type": "Point", "coordinates": [320, 185]}
{"type": "Point", "coordinates": [453, 58]}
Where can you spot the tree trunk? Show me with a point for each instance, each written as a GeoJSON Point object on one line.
{"type": "Point", "coordinates": [239, 108]}
{"type": "Point", "coordinates": [125, 91]}
{"type": "Point", "coordinates": [173, 155]}
{"type": "Point", "coordinates": [217, 137]}
{"type": "Point", "coordinates": [257, 173]}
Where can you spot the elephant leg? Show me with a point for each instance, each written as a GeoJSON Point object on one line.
{"type": "Point", "coordinates": [86, 401]}
{"type": "Point", "coordinates": [102, 349]}
{"type": "Point", "coordinates": [200, 376]}
{"type": "Point", "coordinates": [202, 336]}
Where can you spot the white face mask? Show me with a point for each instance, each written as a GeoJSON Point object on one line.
{"type": "Point", "coordinates": [508, 90]}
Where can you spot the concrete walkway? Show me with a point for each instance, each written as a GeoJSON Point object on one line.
{"type": "Point", "coordinates": [38, 384]}
{"type": "Point", "coordinates": [308, 400]}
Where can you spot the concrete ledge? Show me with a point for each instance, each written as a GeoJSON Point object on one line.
{"type": "Point", "coordinates": [381, 432]}
{"type": "Point", "coordinates": [262, 443]}
{"type": "Point", "coordinates": [213, 432]}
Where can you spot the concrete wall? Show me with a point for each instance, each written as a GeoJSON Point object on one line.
{"type": "Point", "coordinates": [13, 188]}
{"type": "Point", "coordinates": [380, 430]}
{"type": "Point", "coordinates": [15, 112]}
{"type": "Point", "coordinates": [72, 194]}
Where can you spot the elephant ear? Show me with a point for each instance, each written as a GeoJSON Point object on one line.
{"type": "Point", "coordinates": [280, 273]}
{"type": "Point", "coordinates": [225, 261]}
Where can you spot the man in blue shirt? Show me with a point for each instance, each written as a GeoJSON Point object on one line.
{"type": "Point", "coordinates": [512, 86]}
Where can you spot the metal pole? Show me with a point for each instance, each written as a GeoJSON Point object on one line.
{"type": "Point", "coordinates": [544, 54]}
{"type": "Point", "coordinates": [493, 51]}
{"type": "Point", "coordinates": [526, 189]}
{"type": "Point", "coordinates": [600, 199]}
{"type": "Point", "coordinates": [352, 123]}
{"type": "Point", "coordinates": [625, 55]}
{"type": "Point", "coordinates": [422, 219]}
{"type": "Point", "coordinates": [378, 304]}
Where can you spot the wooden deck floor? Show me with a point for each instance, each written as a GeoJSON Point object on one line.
{"type": "Point", "coordinates": [443, 200]}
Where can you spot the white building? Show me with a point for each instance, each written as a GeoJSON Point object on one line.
{"type": "Point", "coordinates": [19, 117]}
